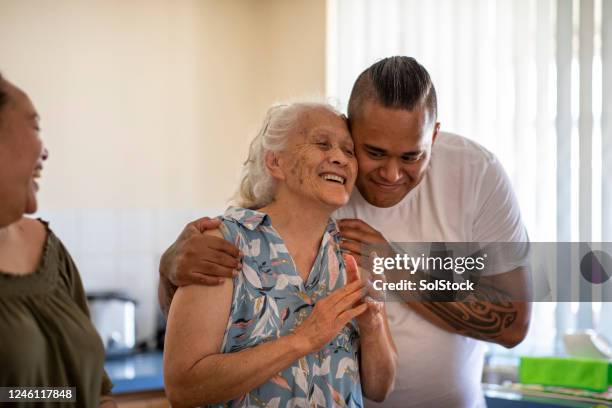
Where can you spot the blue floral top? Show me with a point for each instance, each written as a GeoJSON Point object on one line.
{"type": "Point", "coordinates": [270, 300]}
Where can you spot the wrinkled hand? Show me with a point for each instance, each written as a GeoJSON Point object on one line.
{"type": "Point", "coordinates": [357, 235]}
{"type": "Point", "coordinates": [330, 315]}
{"type": "Point", "coordinates": [197, 258]}
{"type": "Point", "coordinates": [372, 318]}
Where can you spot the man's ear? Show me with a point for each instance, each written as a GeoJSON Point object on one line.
{"type": "Point", "coordinates": [273, 165]}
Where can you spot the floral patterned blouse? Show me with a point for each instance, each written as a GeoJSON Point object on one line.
{"type": "Point", "coordinates": [270, 300]}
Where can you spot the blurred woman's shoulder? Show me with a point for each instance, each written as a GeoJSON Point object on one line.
{"type": "Point", "coordinates": [34, 226]}
{"type": "Point", "coordinates": [35, 231]}
{"type": "Point", "coordinates": [27, 238]}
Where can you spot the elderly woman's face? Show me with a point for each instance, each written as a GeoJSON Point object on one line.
{"type": "Point", "coordinates": [21, 156]}
{"type": "Point", "coordinates": [319, 161]}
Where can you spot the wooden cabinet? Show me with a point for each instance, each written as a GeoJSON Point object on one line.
{"type": "Point", "coordinates": [150, 399]}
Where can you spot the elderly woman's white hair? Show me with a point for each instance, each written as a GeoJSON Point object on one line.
{"type": "Point", "coordinates": [257, 186]}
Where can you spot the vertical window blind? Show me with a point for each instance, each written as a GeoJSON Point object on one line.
{"type": "Point", "coordinates": [531, 80]}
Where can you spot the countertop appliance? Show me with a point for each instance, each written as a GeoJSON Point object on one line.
{"type": "Point", "coordinates": [587, 344]}
{"type": "Point", "coordinates": [114, 316]}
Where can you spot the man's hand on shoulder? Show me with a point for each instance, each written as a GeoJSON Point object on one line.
{"type": "Point", "coordinates": [196, 258]}
{"type": "Point", "coordinates": [356, 236]}
{"type": "Point", "coordinates": [199, 258]}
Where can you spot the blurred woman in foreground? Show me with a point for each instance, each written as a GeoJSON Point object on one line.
{"type": "Point", "coordinates": [46, 336]}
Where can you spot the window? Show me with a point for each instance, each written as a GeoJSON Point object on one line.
{"type": "Point", "coordinates": [531, 80]}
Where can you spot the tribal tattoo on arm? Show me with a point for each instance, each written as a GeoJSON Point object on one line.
{"type": "Point", "coordinates": [485, 314]}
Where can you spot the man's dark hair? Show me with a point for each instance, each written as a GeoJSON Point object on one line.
{"type": "Point", "coordinates": [396, 82]}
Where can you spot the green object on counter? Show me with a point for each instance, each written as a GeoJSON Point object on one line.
{"type": "Point", "coordinates": [589, 374]}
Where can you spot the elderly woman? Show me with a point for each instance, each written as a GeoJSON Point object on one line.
{"type": "Point", "coordinates": [291, 329]}
{"type": "Point", "coordinates": [46, 337]}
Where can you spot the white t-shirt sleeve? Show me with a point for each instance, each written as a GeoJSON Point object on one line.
{"type": "Point", "coordinates": [498, 220]}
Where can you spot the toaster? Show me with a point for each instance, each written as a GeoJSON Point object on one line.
{"type": "Point", "coordinates": [114, 316]}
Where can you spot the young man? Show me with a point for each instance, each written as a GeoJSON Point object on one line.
{"type": "Point", "coordinates": [414, 184]}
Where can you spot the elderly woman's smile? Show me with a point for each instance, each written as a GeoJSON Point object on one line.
{"type": "Point", "coordinates": [334, 177]}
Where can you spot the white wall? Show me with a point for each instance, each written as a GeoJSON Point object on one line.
{"type": "Point", "coordinates": [147, 107]}
{"type": "Point", "coordinates": [149, 103]}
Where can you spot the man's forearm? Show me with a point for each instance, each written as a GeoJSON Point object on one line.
{"type": "Point", "coordinates": [502, 323]}
{"type": "Point", "coordinates": [487, 313]}
{"type": "Point", "coordinates": [222, 377]}
{"type": "Point", "coordinates": [378, 361]}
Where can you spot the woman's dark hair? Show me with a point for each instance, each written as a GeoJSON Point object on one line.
{"type": "Point", "coordinates": [3, 93]}
{"type": "Point", "coordinates": [4, 97]}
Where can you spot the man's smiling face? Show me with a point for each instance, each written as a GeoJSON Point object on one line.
{"type": "Point", "coordinates": [393, 148]}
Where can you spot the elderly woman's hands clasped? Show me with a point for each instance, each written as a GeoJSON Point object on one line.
{"type": "Point", "coordinates": [330, 315]}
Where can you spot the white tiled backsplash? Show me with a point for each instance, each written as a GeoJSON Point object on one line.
{"type": "Point", "coordinates": [119, 250]}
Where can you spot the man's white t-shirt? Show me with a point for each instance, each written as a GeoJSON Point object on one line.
{"type": "Point", "coordinates": [465, 196]}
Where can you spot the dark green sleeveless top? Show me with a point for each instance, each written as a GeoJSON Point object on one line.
{"type": "Point", "coordinates": [46, 336]}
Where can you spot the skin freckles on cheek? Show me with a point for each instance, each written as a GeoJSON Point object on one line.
{"type": "Point", "coordinates": [298, 170]}
{"type": "Point", "coordinates": [300, 153]}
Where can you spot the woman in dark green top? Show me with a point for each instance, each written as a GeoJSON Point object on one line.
{"type": "Point", "coordinates": [46, 336]}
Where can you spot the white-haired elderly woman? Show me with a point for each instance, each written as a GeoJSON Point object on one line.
{"type": "Point", "coordinates": [292, 328]}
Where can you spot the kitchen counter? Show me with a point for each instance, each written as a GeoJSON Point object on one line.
{"type": "Point", "coordinates": [141, 373]}
{"type": "Point", "coordinates": [136, 373]}
{"type": "Point", "coordinates": [505, 397]}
